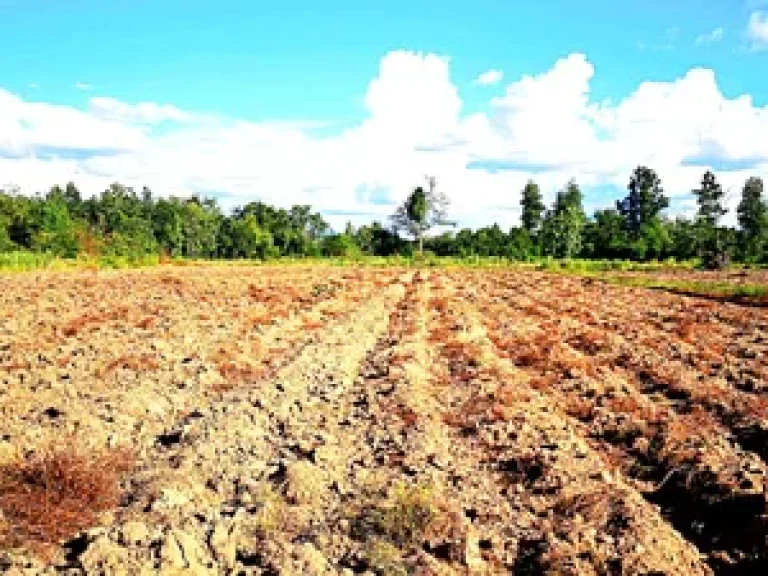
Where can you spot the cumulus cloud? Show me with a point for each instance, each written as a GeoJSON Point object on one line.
{"type": "Point", "coordinates": [545, 126]}
{"type": "Point", "coordinates": [757, 30]}
{"type": "Point", "coordinates": [489, 78]}
{"type": "Point", "coordinates": [711, 37]}
{"type": "Point", "coordinates": [83, 86]}
{"type": "Point", "coordinates": [412, 100]}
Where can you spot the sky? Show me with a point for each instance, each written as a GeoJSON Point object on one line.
{"type": "Point", "coordinates": [348, 105]}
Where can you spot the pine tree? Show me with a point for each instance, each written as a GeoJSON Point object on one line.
{"type": "Point", "coordinates": [709, 197]}
{"type": "Point", "coordinates": [533, 207]}
{"type": "Point", "coordinates": [644, 202]}
{"type": "Point", "coordinates": [753, 220]}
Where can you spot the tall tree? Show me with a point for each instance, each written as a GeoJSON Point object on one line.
{"type": "Point", "coordinates": [533, 207]}
{"type": "Point", "coordinates": [753, 220]}
{"type": "Point", "coordinates": [564, 224]}
{"type": "Point", "coordinates": [644, 202]}
{"type": "Point", "coordinates": [421, 211]}
{"type": "Point", "coordinates": [709, 197]}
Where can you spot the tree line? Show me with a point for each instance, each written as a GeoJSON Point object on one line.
{"type": "Point", "coordinates": [123, 222]}
{"type": "Point", "coordinates": [636, 228]}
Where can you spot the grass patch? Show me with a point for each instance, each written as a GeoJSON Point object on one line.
{"type": "Point", "coordinates": [53, 494]}
{"type": "Point", "coordinates": [585, 266]}
{"type": "Point", "coordinates": [394, 529]}
{"type": "Point", "coordinates": [402, 520]}
{"type": "Point", "coordinates": [749, 293]}
{"type": "Point", "coordinates": [23, 261]}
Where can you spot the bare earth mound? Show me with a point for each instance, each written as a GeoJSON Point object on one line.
{"type": "Point", "coordinates": [324, 420]}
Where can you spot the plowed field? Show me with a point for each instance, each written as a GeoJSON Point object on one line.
{"type": "Point", "coordinates": [327, 420]}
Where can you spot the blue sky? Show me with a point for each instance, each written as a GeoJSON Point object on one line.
{"type": "Point", "coordinates": [256, 60]}
{"type": "Point", "coordinates": [303, 61]}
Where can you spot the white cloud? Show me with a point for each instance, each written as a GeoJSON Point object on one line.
{"type": "Point", "coordinates": [83, 86]}
{"type": "Point", "coordinates": [544, 126]}
{"type": "Point", "coordinates": [412, 100]}
{"type": "Point", "coordinates": [757, 30]}
{"type": "Point", "coordinates": [27, 128]}
{"type": "Point", "coordinates": [711, 37]}
{"type": "Point", "coordinates": [489, 78]}
{"type": "Point", "coordinates": [142, 113]}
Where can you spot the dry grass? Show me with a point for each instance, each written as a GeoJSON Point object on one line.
{"type": "Point", "coordinates": [55, 493]}
{"type": "Point", "coordinates": [403, 519]}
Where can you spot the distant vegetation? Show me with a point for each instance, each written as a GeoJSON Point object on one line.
{"type": "Point", "coordinates": [121, 223]}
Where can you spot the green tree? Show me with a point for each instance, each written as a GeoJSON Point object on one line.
{"type": "Point", "coordinates": [709, 197]}
{"type": "Point", "coordinates": [201, 224]}
{"type": "Point", "coordinates": [74, 200]}
{"type": "Point", "coordinates": [17, 212]}
{"type": "Point", "coordinates": [168, 225]}
{"type": "Point", "coordinates": [564, 224]}
{"type": "Point", "coordinates": [644, 202]}
{"type": "Point", "coordinates": [653, 242]}
{"type": "Point", "coordinates": [377, 240]}
{"type": "Point", "coordinates": [519, 245]}
{"type": "Point", "coordinates": [533, 207]}
{"type": "Point", "coordinates": [711, 239]}
{"type": "Point", "coordinates": [340, 245]}
{"type": "Point", "coordinates": [753, 220]}
{"type": "Point", "coordinates": [249, 240]}
{"type": "Point", "coordinates": [55, 230]}
{"type": "Point", "coordinates": [422, 211]}
{"type": "Point", "coordinates": [606, 235]}
{"type": "Point", "coordinates": [683, 239]}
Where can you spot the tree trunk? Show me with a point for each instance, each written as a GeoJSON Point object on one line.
{"type": "Point", "coordinates": [421, 244]}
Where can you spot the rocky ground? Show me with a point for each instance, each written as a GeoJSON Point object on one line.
{"type": "Point", "coordinates": [325, 420]}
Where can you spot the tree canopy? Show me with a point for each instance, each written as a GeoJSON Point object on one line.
{"type": "Point", "coordinates": [421, 211]}
{"type": "Point", "coordinates": [122, 222]}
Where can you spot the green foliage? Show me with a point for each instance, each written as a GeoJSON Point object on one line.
{"type": "Point", "coordinates": [422, 211]}
{"type": "Point", "coordinates": [683, 238]}
{"type": "Point", "coordinates": [725, 290]}
{"type": "Point", "coordinates": [561, 231]}
{"type": "Point", "coordinates": [247, 239]}
{"type": "Point", "coordinates": [606, 235]}
{"type": "Point", "coordinates": [753, 220]}
{"type": "Point", "coordinates": [22, 261]}
{"type": "Point", "coordinates": [416, 207]}
{"type": "Point", "coordinates": [533, 207]}
{"type": "Point", "coordinates": [644, 202]}
{"type": "Point", "coordinates": [120, 227]}
{"type": "Point", "coordinates": [340, 246]}
{"type": "Point", "coordinates": [711, 240]}
{"type": "Point", "coordinates": [709, 198]}
{"type": "Point", "coordinates": [6, 244]}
